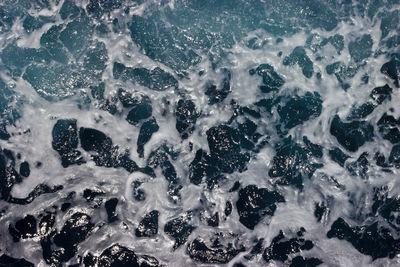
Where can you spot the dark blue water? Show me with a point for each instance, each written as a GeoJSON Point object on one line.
{"type": "Point", "coordinates": [199, 133]}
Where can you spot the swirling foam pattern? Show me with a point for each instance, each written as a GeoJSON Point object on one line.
{"type": "Point", "coordinates": [199, 133]}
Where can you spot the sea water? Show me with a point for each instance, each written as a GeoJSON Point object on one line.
{"type": "Point", "coordinates": [199, 133]}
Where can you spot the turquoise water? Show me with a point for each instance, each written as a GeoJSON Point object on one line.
{"type": "Point", "coordinates": [199, 133]}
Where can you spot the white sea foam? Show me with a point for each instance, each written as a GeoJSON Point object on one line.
{"type": "Point", "coordinates": [39, 116]}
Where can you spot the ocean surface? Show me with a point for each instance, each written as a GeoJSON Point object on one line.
{"type": "Point", "coordinates": [199, 133]}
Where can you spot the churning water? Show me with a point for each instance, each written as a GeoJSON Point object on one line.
{"type": "Point", "coordinates": [199, 133]}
